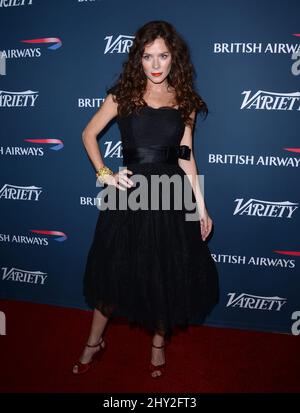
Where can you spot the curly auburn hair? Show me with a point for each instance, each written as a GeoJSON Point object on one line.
{"type": "Point", "coordinates": [129, 90]}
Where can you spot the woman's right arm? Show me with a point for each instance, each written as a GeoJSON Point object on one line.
{"type": "Point", "coordinates": [101, 118]}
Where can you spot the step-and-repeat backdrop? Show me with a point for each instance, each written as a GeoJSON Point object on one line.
{"type": "Point", "coordinates": [57, 60]}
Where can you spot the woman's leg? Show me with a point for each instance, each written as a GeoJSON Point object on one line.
{"type": "Point", "coordinates": [158, 354]}
{"type": "Point", "coordinates": [97, 328]}
{"type": "Point", "coordinates": [98, 325]}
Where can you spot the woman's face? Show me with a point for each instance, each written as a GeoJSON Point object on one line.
{"type": "Point", "coordinates": [156, 61]}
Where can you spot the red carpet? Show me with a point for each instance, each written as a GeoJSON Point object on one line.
{"type": "Point", "coordinates": [43, 341]}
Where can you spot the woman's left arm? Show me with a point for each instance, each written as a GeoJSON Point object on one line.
{"type": "Point", "coordinates": [190, 168]}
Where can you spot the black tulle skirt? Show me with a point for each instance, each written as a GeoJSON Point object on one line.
{"type": "Point", "coordinates": [150, 266]}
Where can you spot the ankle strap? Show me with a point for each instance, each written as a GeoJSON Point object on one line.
{"type": "Point", "coordinates": [95, 345]}
{"type": "Point", "coordinates": [162, 346]}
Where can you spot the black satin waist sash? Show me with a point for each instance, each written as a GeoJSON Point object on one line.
{"type": "Point", "coordinates": [155, 153]}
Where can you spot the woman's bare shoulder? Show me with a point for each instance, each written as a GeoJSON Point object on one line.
{"type": "Point", "coordinates": [110, 105]}
{"type": "Point", "coordinates": [111, 99]}
{"type": "Point", "coordinates": [107, 111]}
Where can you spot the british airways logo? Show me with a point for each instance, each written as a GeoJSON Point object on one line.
{"type": "Point", "coordinates": [61, 235]}
{"type": "Point", "coordinates": [286, 252]}
{"type": "Point", "coordinates": [296, 150]}
{"type": "Point", "coordinates": [58, 143]}
{"type": "Point", "coordinates": [259, 261]}
{"type": "Point", "coordinates": [44, 40]}
{"type": "Point", "coordinates": [257, 160]}
{"type": "Point", "coordinates": [53, 144]}
{"type": "Point", "coordinates": [119, 45]}
{"type": "Point", "coordinates": [54, 44]}
{"type": "Point", "coordinates": [90, 102]}
{"type": "Point", "coordinates": [33, 240]}
{"type": "Point", "coordinates": [256, 48]}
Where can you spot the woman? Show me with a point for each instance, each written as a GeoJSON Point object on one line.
{"type": "Point", "coordinates": [150, 265]}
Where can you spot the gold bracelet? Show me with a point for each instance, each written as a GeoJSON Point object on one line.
{"type": "Point", "coordinates": [102, 172]}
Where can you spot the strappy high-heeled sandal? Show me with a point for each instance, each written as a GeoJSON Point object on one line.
{"type": "Point", "coordinates": [84, 367]}
{"type": "Point", "coordinates": [160, 368]}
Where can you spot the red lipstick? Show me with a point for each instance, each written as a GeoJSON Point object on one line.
{"type": "Point", "coordinates": [156, 74]}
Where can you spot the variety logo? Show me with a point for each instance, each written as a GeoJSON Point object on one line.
{"type": "Point", "coordinates": [254, 160]}
{"type": "Point", "coordinates": [255, 48]}
{"type": "Point", "coordinates": [21, 193]}
{"type": "Point", "coordinates": [31, 150]}
{"type": "Point", "coordinates": [113, 150]}
{"type": "Point", "coordinates": [259, 208]}
{"type": "Point", "coordinates": [12, 3]}
{"type": "Point", "coordinates": [264, 100]}
{"type": "Point", "coordinates": [120, 45]}
{"type": "Point", "coordinates": [255, 302]}
{"type": "Point", "coordinates": [32, 240]}
{"type": "Point", "coordinates": [17, 99]}
{"type": "Point", "coordinates": [23, 276]}
{"type": "Point", "coordinates": [255, 261]}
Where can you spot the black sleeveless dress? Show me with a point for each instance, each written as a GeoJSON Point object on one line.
{"type": "Point", "coordinates": [151, 266]}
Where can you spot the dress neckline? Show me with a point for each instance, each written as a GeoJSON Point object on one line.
{"type": "Point", "coordinates": [161, 107]}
